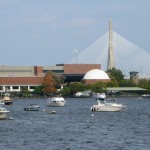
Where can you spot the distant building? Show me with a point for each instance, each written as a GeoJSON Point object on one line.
{"type": "Point", "coordinates": [13, 78]}
{"type": "Point", "coordinates": [134, 77]}
{"type": "Point", "coordinates": [95, 75]}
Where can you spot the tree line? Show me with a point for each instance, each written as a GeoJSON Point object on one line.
{"type": "Point", "coordinates": [51, 85]}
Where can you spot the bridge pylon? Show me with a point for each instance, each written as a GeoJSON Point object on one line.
{"type": "Point", "coordinates": [110, 61]}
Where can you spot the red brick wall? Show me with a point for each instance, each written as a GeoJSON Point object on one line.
{"type": "Point", "coordinates": [38, 70]}
{"type": "Point", "coordinates": [79, 68]}
{"type": "Point", "coordinates": [20, 80]}
{"type": "Point", "coordinates": [91, 81]}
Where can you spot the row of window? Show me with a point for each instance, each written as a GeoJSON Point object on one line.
{"type": "Point", "coordinates": [16, 88]}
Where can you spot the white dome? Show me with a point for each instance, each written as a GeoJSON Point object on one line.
{"type": "Point", "coordinates": [96, 74]}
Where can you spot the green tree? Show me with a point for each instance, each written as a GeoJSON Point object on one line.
{"type": "Point", "coordinates": [65, 91]}
{"type": "Point", "coordinates": [143, 83]}
{"type": "Point", "coordinates": [116, 75]}
{"type": "Point", "coordinates": [113, 83]}
{"type": "Point", "coordinates": [25, 92]}
{"type": "Point", "coordinates": [38, 90]}
{"type": "Point", "coordinates": [76, 87]}
{"type": "Point", "coordinates": [98, 87]}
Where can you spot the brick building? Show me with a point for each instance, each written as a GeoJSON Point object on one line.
{"type": "Point", "coordinates": [13, 78]}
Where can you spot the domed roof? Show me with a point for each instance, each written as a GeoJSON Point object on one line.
{"type": "Point", "coordinates": [96, 74]}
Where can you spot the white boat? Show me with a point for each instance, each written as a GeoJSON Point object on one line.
{"type": "Point", "coordinates": [2, 103]}
{"type": "Point", "coordinates": [32, 107]}
{"type": "Point", "coordinates": [56, 101]}
{"type": "Point", "coordinates": [7, 100]}
{"type": "Point", "coordinates": [104, 105]}
{"type": "Point", "coordinates": [3, 112]}
{"type": "Point", "coordinates": [146, 96]}
{"type": "Point", "coordinates": [99, 96]}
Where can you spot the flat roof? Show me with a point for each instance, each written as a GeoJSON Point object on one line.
{"type": "Point", "coordinates": [125, 89]}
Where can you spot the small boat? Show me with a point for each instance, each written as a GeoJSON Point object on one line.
{"type": "Point", "coordinates": [107, 106]}
{"type": "Point", "coordinates": [2, 103]}
{"type": "Point", "coordinates": [50, 112]}
{"type": "Point", "coordinates": [7, 100]}
{"type": "Point", "coordinates": [56, 102]}
{"type": "Point", "coordinates": [146, 96]}
{"type": "Point", "coordinates": [99, 96]}
{"type": "Point", "coordinates": [104, 105]}
{"type": "Point", "coordinates": [3, 112]}
{"type": "Point", "coordinates": [32, 107]}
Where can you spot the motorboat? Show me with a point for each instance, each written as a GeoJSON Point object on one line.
{"type": "Point", "coordinates": [105, 105]}
{"type": "Point", "coordinates": [50, 111]}
{"type": "Point", "coordinates": [146, 96]}
{"type": "Point", "coordinates": [32, 107]}
{"type": "Point", "coordinates": [7, 100]}
{"type": "Point", "coordinates": [99, 96]}
{"type": "Point", "coordinates": [56, 101]}
{"type": "Point", "coordinates": [2, 103]}
{"type": "Point", "coordinates": [3, 112]}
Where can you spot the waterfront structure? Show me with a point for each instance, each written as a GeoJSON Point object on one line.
{"type": "Point", "coordinates": [134, 76]}
{"type": "Point", "coordinates": [14, 78]}
{"type": "Point", "coordinates": [95, 75]}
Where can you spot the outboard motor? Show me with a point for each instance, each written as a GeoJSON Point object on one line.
{"type": "Point", "coordinates": [93, 108]}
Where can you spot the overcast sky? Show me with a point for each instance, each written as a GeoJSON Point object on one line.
{"type": "Point", "coordinates": [46, 32]}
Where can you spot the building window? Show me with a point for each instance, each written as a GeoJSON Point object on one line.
{"type": "Point", "coordinates": [15, 87]}
{"type": "Point", "coordinates": [32, 87]}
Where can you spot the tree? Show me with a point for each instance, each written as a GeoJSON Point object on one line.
{"type": "Point", "coordinates": [98, 87]}
{"type": "Point", "coordinates": [76, 87]}
{"type": "Point", "coordinates": [116, 75]}
{"type": "Point", "coordinates": [38, 90]}
{"type": "Point", "coordinates": [49, 83]}
{"type": "Point", "coordinates": [65, 91]}
{"type": "Point", "coordinates": [25, 91]}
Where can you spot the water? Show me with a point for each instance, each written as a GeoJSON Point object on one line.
{"type": "Point", "coordinates": [75, 127]}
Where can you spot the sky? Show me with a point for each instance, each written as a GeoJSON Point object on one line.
{"type": "Point", "coordinates": [46, 32]}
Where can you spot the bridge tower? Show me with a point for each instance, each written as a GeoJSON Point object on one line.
{"type": "Point", "coordinates": [110, 61]}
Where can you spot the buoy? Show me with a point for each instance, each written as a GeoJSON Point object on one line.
{"type": "Point", "coordinates": [10, 118]}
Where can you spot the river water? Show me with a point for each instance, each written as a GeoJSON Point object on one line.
{"type": "Point", "coordinates": [75, 127]}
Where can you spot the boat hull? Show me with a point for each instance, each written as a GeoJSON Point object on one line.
{"type": "Point", "coordinates": [32, 108]}
{"type": "Point", "coordinates": [106, 109]}
{"type": "Point", "coordinates": [3, 113]}
{"type": "Point", "coordinates": [8, 102]}
{"type": "Point", "coordinates": [110, 107]}
{"type": "Point", "coordinates": [56, 102]}
{"type": "Point", "coordinates": [3, 116]}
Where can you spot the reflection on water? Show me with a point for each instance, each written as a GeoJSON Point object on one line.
{"type": "Point", "coordinates": [75, 127]}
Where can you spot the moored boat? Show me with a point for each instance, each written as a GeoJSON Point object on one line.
{"type": "Point", "coordinates": [2, 103]}
{"type": "Point", "coordinates": [105, 105]}
{"type": "Point", "coordinates": [7, 100]}
{"type": "Point", "coordinates": [3, 112]}
{"type": "Point", "coordinates": [56, 102]}
{"type": "Point", "coordinates": [99, 96]}
{"type": "Point", "coordinates": [146, 96]}
{"type": "Point", "coordinates": [32, 107]}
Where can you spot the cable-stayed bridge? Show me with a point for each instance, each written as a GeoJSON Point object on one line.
{"type": "Point", "coordinates": [128, 57]}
